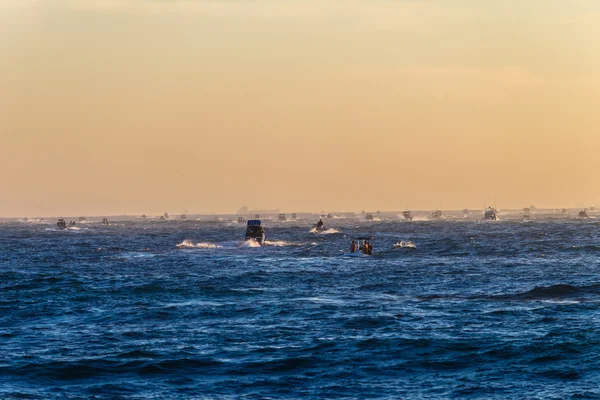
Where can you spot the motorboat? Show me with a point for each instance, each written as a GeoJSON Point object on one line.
{"type": "Point", "coordinates": [583, 214]}
{"type": "Point", "coordinates": [282, 218]}
{"type": "Point", "coordinates": [361, 247]}
{"type": "Point", "coordinates": [61, 224]}
{"type": "Point", "coordinates": [466, 211]}
{"type": "Point", "coordinates": [320, 226]}
{"type": "Point", "coordinates": [105, 221]}
{"type": "Point", "coordinates": [241, 220]}
{"type": "Point", "coordinates": [436, 214]}
{"type": "Point", "coordinates": [255, 231]}
{"type": "Point", "coordinates": [526, 213]}
{"type": "Point", "coordinates": [369, 217]}
{"type": "Point", "coordinates": [183, 217]}
{"type": "Point", "coordinates": [330, 216]}
{"type": "Point", "coordinates": [82, 219]}
{"type": "Point", "coordinates": [490, 214]}
{"type": "Point", "coordinates": [407, 215]}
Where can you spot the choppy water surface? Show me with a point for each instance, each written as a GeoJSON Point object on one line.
{"type": "Point", "coordinates": [143, 309]}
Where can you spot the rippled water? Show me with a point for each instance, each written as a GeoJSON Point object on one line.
{"type": "Point", "coordinates": [445, 309]}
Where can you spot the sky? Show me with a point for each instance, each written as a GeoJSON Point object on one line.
{"type": "Point", "coordinates": [145, 106]}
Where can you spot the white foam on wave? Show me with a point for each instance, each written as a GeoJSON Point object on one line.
{"type": "Point", "coordinates": [325, 232]}
{"type": "Point", "coordinates": [402, 244]}
{"type": "Point", "coordinates": [250, 243]}
{"type": "Point", "coordinates": [188, 244]}
{"type": "Point", "coordinates": [277, 243]}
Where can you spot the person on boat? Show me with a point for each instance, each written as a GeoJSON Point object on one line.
{"type": "Point", "coordinates": [320, 224]}
{"type": "Point", "coordinates": [353, 247]}
{"type": "Point", "coordinates": [366, 248]}
{"type": "Point", "coordinates": [370, 251]}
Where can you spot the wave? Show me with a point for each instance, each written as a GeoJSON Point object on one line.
{"type": "Point", "coordinates": [250, 243]}
{"type": "Point", "coordinates": [558, 291]}
{"type": "Point", "coordinates": [325, 232]}
{"type": "Point", "coordinates": [402, 244]}
{"type": "Point", "coordinates": [277, 243]}
{"type": "Point", "coordinates": [188, 244]}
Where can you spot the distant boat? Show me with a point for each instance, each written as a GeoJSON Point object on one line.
{"type": "Point", "coordinates": [82, 219]}
{"type": "Point", "coordinates": [105, 221]}
{"type": "Point", "coordinates": [183, 217]}
{"type": "Point", "coordinates": [436, 214]}
{"type": "Point", "coordinates": [241, 220]}
{"type": "Point", "coordinates": [255, 231]}
{"type": "Point", "coordinates": [369, 217]}
{"type": "Point", "coordinates": [329, 216]}
{"type": "Point", "coordinates": [583, 214]}
{"type": "Point", "coordinates": [61, 224]}
{"type": "Point", "coordinates": [490, 214]}
{"type": "Point", "coordinates": [526, 213]}
{"type": "Point", "coordinates": [407, 215]}
{"type": "Point", "coordinates": [282, 218]}
{"type": "Point", "coordinates": [294, 216]}
{"type": "Point", "coordinates": [465, 211]}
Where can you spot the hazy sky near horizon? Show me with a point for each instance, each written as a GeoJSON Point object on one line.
{"type": "Point", "coordinates": [146, 106]}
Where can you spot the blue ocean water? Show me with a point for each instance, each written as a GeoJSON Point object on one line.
{"type": "Point", "coordinates": [180, 309]}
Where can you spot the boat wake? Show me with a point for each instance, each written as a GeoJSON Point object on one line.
{"type": "Point", "coordinates": [188, 244]}
{"type": "Point", "coordinates": [325, 232]}
{"type": "Point", "coordinates": [402, 244]}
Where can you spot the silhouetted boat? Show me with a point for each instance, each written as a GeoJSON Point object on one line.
{"type": "Point", "coordinates": [255, 231]}
{"type": "Point", "coordinates": [490, 214]}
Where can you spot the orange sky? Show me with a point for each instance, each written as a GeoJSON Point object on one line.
{"type": "Point", "coordinates": [146, 106]}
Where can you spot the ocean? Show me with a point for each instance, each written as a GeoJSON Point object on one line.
{"type": "Point", "coordinates": [452, 308]}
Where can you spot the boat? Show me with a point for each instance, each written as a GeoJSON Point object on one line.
{"type": "Point", "coordinates": [329, 216]}
{"type": "Point", "coordinates": [183, 217]}
{"type": "Point", "coordinates": [466, 211]}
{"type": "Point", "coordinates": [105, 221]}
{"type": "Point", "coordinates": [490, 214]}
{"type": "Point", "coordinates": [82, 219]}
{"type": "Point", "coordinates": [369, 217]}
{"type": "Point", "coordinates": [583, 214]}
{"type": "Point", "coordinates": [320, 226]}
{"type": "Point", "coordinates": [526, 213]}
{"type": "Point", "coordinates": [407, 215]}
{"type": "Point", "coordinates": [241, 220]}
{"type": "Point", "coordinates": [255, 231]}
{"type": "Point", "coordinates": [61, 224]}
{"type": "Point", "coordinates": [294, 216]}
{"type": "Point", "coordinates": [72, 223]}
{"type": "Point", "coordinates": [436, 214]}
{"type": "Point", "coordinates": [564, 211]}
{"type": "Point", "coordinates": [362, 247]}
{"type": "Point", "coordinates": [282, 218]}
